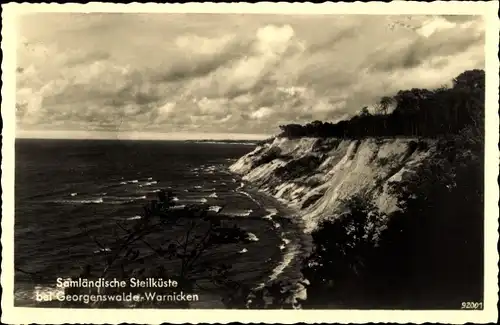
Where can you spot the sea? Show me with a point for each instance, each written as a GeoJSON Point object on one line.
{"type": "Point", "coordinates": [70, 192]}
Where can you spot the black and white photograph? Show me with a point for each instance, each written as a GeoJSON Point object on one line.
{"type": "Point", "coordinates": [250, 161]}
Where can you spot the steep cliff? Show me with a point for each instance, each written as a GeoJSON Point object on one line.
{"type": "Point", "coordinates": [314, 175]}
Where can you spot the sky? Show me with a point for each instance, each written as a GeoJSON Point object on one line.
{"type": "Point", "coordinates": [225, 75]}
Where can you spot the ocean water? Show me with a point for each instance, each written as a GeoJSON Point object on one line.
{"type": "Point", "coordinates": [67, 189]}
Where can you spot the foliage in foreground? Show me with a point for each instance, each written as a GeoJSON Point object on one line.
{"type": "Point", "coordinates": [181, 256]}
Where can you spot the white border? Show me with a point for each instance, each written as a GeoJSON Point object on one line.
{"type": "Point", "coordinates": [57, 316]}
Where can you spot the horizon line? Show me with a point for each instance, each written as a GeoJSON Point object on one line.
{"type": "Point", "coordinates": [134, 135]}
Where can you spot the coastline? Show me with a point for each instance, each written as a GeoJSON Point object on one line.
{"type": "Point", "coordinates": [300, 245]}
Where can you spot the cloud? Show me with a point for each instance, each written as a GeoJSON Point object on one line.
{"type": "Point", "coordinates": [261, 113]}
{"type": "Point", "coordinates": [228, 73]}
{"type": "Point", "coordinates": [436, 38]}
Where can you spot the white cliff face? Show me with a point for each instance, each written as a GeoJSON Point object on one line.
{"type": "Point", "coordinates": [314, 175]}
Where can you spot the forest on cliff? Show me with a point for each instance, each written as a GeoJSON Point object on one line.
{"type": "Point", "coordinates": [413, 112]}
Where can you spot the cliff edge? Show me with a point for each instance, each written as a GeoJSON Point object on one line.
{"type": "Point", "coordinates": [315, 175]}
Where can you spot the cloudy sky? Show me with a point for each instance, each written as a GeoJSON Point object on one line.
{"type": "Point", "coordinates": [226, 73]}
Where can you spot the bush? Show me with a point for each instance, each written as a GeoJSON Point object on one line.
{"type": "Point", "coordinates": [343, 247]}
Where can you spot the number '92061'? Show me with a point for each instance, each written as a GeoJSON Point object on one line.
{"type": "Point", "coordinates": [472, 305]}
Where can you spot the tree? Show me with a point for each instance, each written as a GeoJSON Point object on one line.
{"type": "Point", "coordinates": [384, 103]}
{"type": "Point", "coordinates": [471, 79]}
{"type": "Point", "coordinates": [343, 246]}
{"type": "Point", "coordinates": [365, 111]}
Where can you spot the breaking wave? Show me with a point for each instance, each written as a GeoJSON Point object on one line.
{"type": "Point", "coordinates": [102, 250]}
{"type": "Point", "coordinates": [134, 181]}
{"type": "Point", "coordinates": [215, 208]}
{"type": "Point", "coordinates": [89, 201]}
{"type": "Point", "coordinates": [134, 218]}
{"type": "Point", "coordinates": [252, 237]}
{"type": "Point", "coordinates": [148, 183]}
{"type": "Point", "coordinates": [102, 200]}
{"type": "Point", "coordinates": [244, 213]}
{"type": "Point", "coordinates": [270, 214]}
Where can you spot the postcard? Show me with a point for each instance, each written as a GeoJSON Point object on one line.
{"type": "Point", "coordinates": [270, 162]}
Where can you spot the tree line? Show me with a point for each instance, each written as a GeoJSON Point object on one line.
{"type": "Point", "coordinates": [413, 112]}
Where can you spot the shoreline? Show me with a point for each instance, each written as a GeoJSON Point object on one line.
{"type": "Point", "coordinates": [300, 245]}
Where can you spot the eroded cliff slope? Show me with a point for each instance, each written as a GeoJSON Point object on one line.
{"type": "Point", "coordinates": [314, 175]}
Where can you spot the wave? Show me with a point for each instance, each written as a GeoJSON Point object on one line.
{"type": "Point", "coordinates": [270, 214]}
{"type": "Point", "coordinates": [191, 200]}
{"type": "Point", "coordinates": [215, 208]}
{"type": "Point", "coordinates": [127, 198]}
{"type": "Point", "coordinates": [134, 181]}
{"type": "Point", "coordinates": [286, 261]}
{"type": "Point", "coordinates": [148, 183]}
{"type": "Point", "coordinates": [244, 250]}
{"type": "Point", "coordinates": [103, 200]}
{"type": "Point", "coordinates": [213, 195]}
{"type": "Point", "coordinates": [88, 201]}
{"type": "Point", "coordinates": [244, 213]}
{"type": "Point", "coordinates": [249, 196]}
{"type": "Point", "coordinates": [74, 194]}
{"type": "Point", "coordinates": [102, 250]}
{"type": "Point", "coordinates": [252, 237]}
{"type": "Point", "coordinates": [201, 189]}
{"type": "Point", "coordinates": [30, 295]}
{"type": "Point", "coordinates": [134, 218]}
